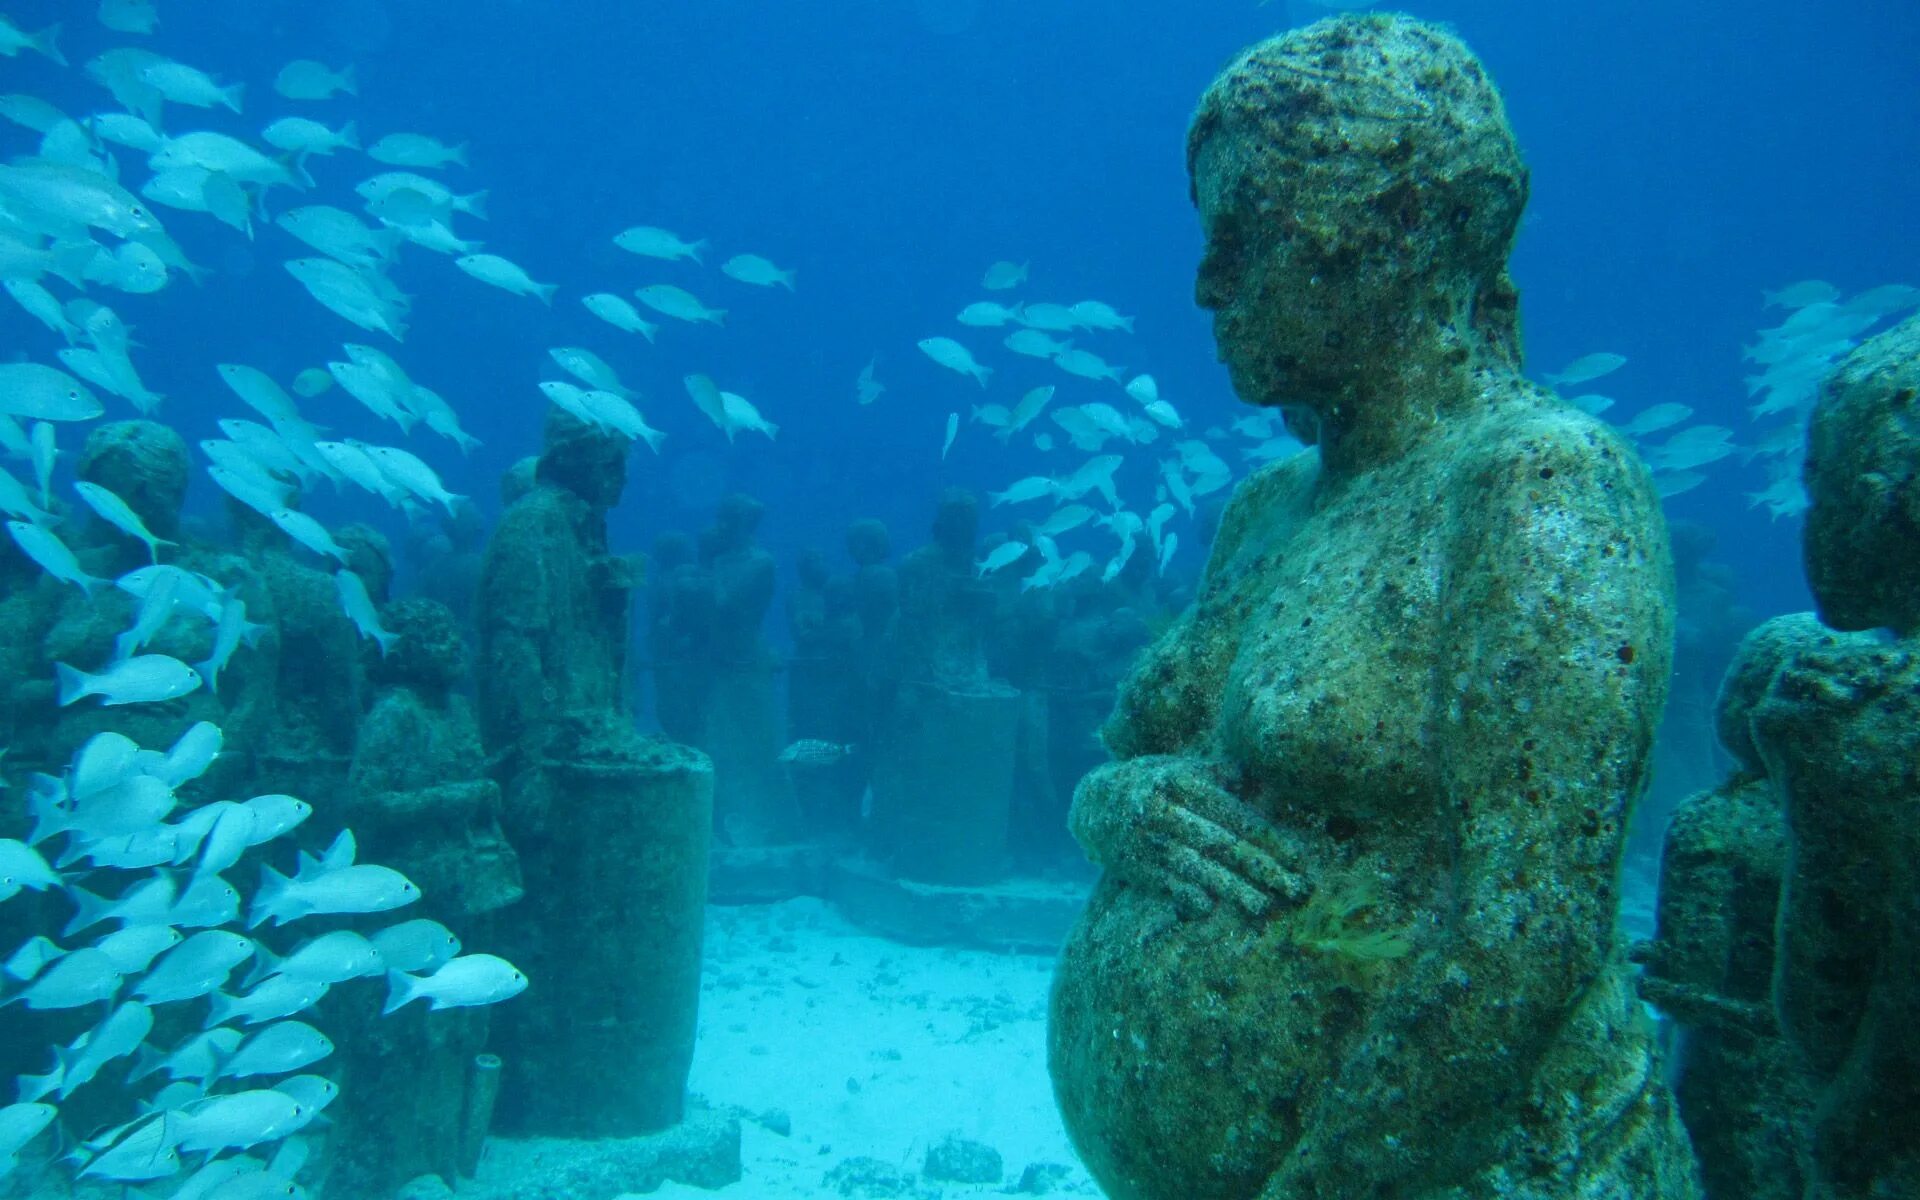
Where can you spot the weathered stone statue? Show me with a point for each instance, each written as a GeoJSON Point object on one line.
{"type": "Point", "coordinates": [1355, 931]}
{"type": "Point", "coordinates": [1789, 947]}
{"type": "Point", "coordinates": [612, 829]}
{"type": "Point", "coordinates": [43, 622]}
{"type": "Point", "coordinates": [420, 800]}
{"type": "Point", "coordinates": [1839, 732]}
{"type": "Point", "coordinates": [1741, 1091]}
{"type": "Point", "coordinates": [943, 769]}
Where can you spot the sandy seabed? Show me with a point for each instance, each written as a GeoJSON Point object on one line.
{"type": "Point", "coordinates": [865, 1048]}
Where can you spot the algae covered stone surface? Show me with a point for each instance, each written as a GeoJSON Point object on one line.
{"type": "Point", "coordinates": [1355, 931]}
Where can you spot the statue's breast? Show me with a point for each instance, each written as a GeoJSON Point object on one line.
{"type": "Point", "coordinates": [1329, 696]}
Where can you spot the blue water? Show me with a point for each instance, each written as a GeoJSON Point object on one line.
{"type": "Point", "coordinates": [889, 151]}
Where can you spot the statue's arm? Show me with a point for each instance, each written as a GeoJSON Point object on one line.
{"type": "Point", "coordinates": [1551, 664]}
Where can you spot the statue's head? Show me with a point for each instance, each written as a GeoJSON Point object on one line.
{"type": "Point", "coordinates": [1862, 543]}
{"type": "Point", "coordinates": [1359, 189]}
{"type": "Point", "coordinates": [144, 463]}
{"type": "Point", "coordinates": [583, 459]}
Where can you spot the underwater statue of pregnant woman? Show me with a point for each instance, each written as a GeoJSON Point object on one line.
{"type": "Point", "coordinates": [1354, 932]}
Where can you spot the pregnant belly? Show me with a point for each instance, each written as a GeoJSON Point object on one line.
{"type": "Point", "coordinates": [1183, 1051]}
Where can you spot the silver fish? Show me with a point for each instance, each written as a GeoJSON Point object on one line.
{"type": "Point", "coordinates": [812, 752]}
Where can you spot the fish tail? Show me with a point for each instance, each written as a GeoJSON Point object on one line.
{"type": "Point", "coordinates": [89, 910]}
{"type": "Point", "coordinates": [718, 316]}
{"type": "Point", "coordinates": [265, 963]}
{"type": "Point", "coordinates": [47, 42]}
{"type": "Point", "coordinates": [982, 373]}
{"type": "Point", "coordinates": [694, 251]}
{"type": "Point", "coordinates": [220, 1008]}
{"type": "Point", "coordinates": [232, 95]}
{"type": "Point", "coordinates": [787, 278]}
{"type": "Point", "coordinates": [546, 292]}
{"type": "Point", "coordinates": [385, 641]}
{"type": "Point", "coordinates": [267, 901]}
{"type": "Point", "coordinates": [74, 684]}
{"type": "Point", "coordinates": [402, 989]}
{"type": "Point", "coordinates": [146, 1061]}
{"type": "Point", "coordinates": [350, 135]}
{"type": "Point", "coordinates": [474, 205]}
{"type": "Point", "coordinates": [349, 81]}
{"type": "Point", "coordinates": [459, 155]}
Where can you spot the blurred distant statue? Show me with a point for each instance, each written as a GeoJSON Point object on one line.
{"type": "Point", "coordinates": [1789, 936]}
{"type": "Point", "coordinates": [753, 800]}
{"type": "Point", "coordinates": [680, 610]}
{"type": "Point", "coordinates": [1354, 935]}
{"type": "Point", "coordinates": [824, 694]}
{"type": "Point", "coordinates": [611, 828]}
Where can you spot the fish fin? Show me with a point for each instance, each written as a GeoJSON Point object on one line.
{"type": "Point", "coordinates": [459, 155]}
{"type": "Point", "coordinates": [232, 95]}
{"type": "Point", "coordinates": [694, 251]}
{"type": "Point", "coordinates": [546, 292]}
{"type": "Point", "coordinates": [350, 135]}
{"type": "Point", "coordinates": [402, 989]}
{"type": "Point", "coordinates": [473, 204]}
{"type": "Point", "coordinates": [1126, 323]}
{"type": "Point", "coordinates": [341, 852]}
{"type": "Point", "coordinates": [47, 42]}
{"type": "Point", "coordinates": [385, 641]}
{"type": "Point", "coordinates": [349, 82]}
{"type": "Point", "coordinates": [983, 374]}
{"type": "Point", "coordinates": [719, 315]}
{"type": "Point", "coordinates": [787, 278]}
{"type": "Point", "coordinates": [73, 683]}
{"type": "Point", "coordinates": [221, 1007]}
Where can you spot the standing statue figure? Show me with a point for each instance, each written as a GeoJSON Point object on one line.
{"type": "Point", "coordinates": [1354, 935]}
{"type": "Point", "coordinates": [753, 801]}
{"type": "Point", "coordinates": [611, 828]}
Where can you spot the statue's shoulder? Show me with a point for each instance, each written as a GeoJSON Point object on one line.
{"type": "Point", "coordinates": [1534, 449]}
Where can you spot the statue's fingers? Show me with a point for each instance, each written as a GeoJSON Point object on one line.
{"type": "Point", "coordinates": [1215, 880]}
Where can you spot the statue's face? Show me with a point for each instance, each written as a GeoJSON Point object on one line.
{"type": "Point", "coordinates": [1283, 327]}
{"type": "Point", "coordinates": [1227, 285]}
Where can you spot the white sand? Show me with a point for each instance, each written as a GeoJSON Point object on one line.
{"type": "Point", "coordinates": [872, 1049]}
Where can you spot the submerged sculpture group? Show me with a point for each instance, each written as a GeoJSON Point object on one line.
{"type": "Point", "coordinates": [1360, 839]}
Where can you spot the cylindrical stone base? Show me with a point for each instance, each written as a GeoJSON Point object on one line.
{"type": "Point", "coordinates": [943, 784]}
{"type": "Point", "coordinates": [614, 852]}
